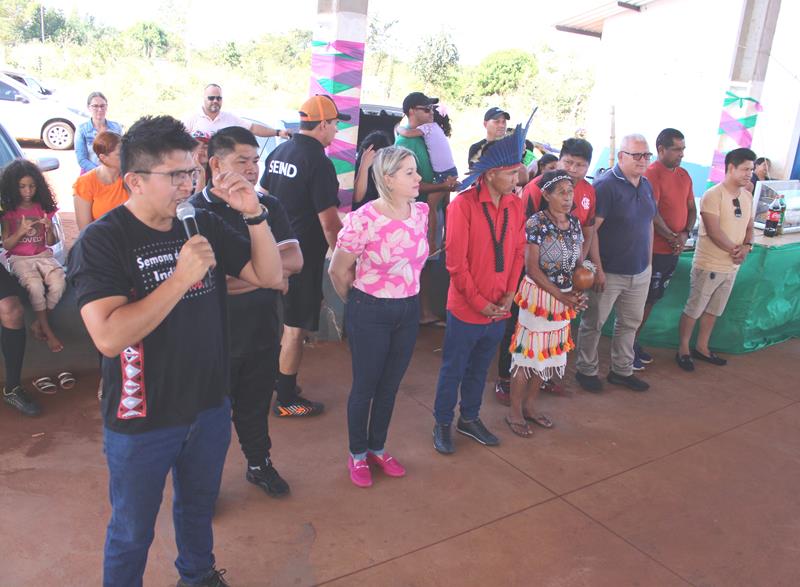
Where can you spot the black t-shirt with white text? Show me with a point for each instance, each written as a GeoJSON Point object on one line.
{"type": "Point", "coordinates": [182, 367]}
{"type": "Point", "coordinates": [302, 177]}
{"type": "Point", "coordinates": [253, 317]}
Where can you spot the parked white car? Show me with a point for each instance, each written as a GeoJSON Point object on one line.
{"type": "Point", "coordinates": [29, 81]}
{"type": "Point", "coordinates": [34, 116]}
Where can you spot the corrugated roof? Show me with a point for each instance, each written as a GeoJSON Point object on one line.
{"type": "Point", "coordinates": [591, 21]}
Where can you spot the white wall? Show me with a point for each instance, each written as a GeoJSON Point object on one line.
{"type": "Point", "coordinates": [778, 129]}
{"type": "Point", "coordinates": [666, 66]}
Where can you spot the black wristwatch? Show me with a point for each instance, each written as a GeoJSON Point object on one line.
{"type": "Point", "coordinates": [253, 220]}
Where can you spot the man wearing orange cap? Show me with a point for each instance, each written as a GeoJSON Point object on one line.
{"type": "Point", "coordinates": [302, 177]}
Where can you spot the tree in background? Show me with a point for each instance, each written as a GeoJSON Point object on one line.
{"type": "Point", "coordinates": [436, 62]}
{"type": "Point", "coordinates": [505, 72]}
{"type": "Point", "coordinates": [150, 39]}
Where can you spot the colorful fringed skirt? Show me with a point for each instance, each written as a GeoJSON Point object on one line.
{"type": "Point", "coordinates": [542, 337]}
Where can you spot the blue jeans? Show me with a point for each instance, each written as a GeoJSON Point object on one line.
{"type": "Point", "coordinates": [468, 352]}
{"type": "Point", "coordinates": [382, 333]}
{"type": "Point", "coordinates": [138, 465]}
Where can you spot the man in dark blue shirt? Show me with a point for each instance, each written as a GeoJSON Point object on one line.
{"type": "Point", "coordinates": [624, 224]}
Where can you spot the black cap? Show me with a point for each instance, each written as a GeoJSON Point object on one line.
{"type": "Point", "coordinates": [417, 99]}
{"type": "Point", "coordinates": [494, 112]}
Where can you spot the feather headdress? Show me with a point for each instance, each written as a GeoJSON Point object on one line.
{"type": "Point", "coordinates": [503, 153]}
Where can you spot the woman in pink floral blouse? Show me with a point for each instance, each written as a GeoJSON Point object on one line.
{"type": "Point", "coordinates": [375, 268]}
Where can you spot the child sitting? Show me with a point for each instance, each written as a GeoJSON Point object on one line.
{"type": "Point", "coordinates": [28, 210]}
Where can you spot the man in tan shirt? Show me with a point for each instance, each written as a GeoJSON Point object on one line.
{"type": "Point", "coordinates": [725, 239]}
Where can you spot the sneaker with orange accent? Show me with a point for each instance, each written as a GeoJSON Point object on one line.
{"type": "Point", "coordinates": [387, 463]}
{"type": "Point", "coordinates": [360, 474]}
{"type": "Point", "coordinates": [502, 391]}
{"type": "Point", "coordinates": [299, 408]}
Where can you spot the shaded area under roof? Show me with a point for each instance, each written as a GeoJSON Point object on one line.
{"type": "Point", "coordinates": [590, 22]}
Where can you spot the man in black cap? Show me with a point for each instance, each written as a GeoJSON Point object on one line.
{"type": "Point", "coordinates": [495, 121]}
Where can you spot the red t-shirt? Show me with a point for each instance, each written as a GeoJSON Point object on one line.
{"type": "Point", "coordinates": [583, 204]}
{"type": "Point", "coordinates": [470, 255]}
{"type": "Point", "coordinates": [672, 190]}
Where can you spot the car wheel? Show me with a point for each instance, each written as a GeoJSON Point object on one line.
{"type": "Point", "coordinates": [58, 135]}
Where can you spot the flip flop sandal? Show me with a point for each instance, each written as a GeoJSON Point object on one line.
{"type": "Point", "coordinates": [66, 380]}
{"type": "Point", "coordinates": [45, 385]}
{"type": "Point", "coordinates": [540, 420]}
{"type": "Point", "coordinates": [520, 429]}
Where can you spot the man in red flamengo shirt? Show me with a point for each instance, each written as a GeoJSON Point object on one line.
{"type": "Point", "coordinates": [677, 213]}
{"type": "Point", "coordinates": [485, 244]}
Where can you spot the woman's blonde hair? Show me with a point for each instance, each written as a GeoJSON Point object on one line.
{"type": "Point", "coordinates": [387, 162]}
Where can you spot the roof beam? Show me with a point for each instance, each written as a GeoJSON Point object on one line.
{"type": "Point", "coordinates": [629, 6]}
{"type": "Point", "coordinates": [569, 29]}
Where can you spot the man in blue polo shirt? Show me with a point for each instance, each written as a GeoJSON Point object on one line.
{"type": "Point", "coordinates": [625, 209]}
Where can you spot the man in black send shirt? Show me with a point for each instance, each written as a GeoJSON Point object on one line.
{"type": "Point", "coordinates": [255, 329]}
{"type": "Point", "coordinates": [154, 305]}
{"type": "Point", "coordinates": [302, 177]}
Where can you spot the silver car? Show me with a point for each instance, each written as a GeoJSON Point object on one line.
{"type": "Point", "coordinates": [31, 115]}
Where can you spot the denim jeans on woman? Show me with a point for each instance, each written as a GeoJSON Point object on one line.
{"type": "Point", "coordinates": [382, 333]}
{"type": "Point", "coordinates": [138, 465]}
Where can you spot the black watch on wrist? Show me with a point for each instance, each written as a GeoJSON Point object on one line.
{"type": "Point", "coordinates": [253, 220]}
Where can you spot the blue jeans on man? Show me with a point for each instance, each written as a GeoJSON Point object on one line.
{"type": "Point", "coordinates": [382, 333]}
{"type": "Point", "coordinates": [138, 465]}
{"type": "Point", "coordinates": [468, 352]}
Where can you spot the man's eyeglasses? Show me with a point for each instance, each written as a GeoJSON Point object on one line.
{"type": "Point", "coordinates": [424, 108]}
{"type": "Point", "coordinates": [639, 156]}
{"type": "Point", "coordinates": [176, 177]}
{"type": "Point", "coordinates": [737, 208]}
{"type": "Point", "coordinates": [214, 98]}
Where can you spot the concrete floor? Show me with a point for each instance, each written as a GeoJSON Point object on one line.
{"type": "Point", "coordinates": [693, 483]}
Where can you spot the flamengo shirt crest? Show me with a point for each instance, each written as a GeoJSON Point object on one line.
{"type": "Point", "coordinates": [181, 367]}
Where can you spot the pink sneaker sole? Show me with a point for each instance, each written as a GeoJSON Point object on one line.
{"type": "Point", "coordinates": [360, 474]}
{"type": "Point", "coordinates": [388, 464]}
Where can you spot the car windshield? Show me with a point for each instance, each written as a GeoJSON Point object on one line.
{"type": "Point", "coordinates": [35, 85]}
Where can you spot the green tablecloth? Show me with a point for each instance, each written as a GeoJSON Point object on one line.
{"type": "Point", "coordinates": [764, 307]}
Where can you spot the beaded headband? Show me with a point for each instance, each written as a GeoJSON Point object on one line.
{"type": "Point", "coordinates": [555, 180]}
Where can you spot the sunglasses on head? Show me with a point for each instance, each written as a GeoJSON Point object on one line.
{"type": "Point", "coordinates": [737, 208]}
{"type": "Point", "coordinates": [214, 98]}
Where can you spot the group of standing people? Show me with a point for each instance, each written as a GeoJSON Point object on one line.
{"type": "Point", "coordinates": [142, 278]}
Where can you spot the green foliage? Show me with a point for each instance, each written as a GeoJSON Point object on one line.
{"type": "Point", "coordinates": [504, 72]}
{"type": "Point", "coordinates": [230, 54]}
{"type": "Point", "coordinates": [436, 61]}
{"type": "Point", "coordinates": [149, 39]}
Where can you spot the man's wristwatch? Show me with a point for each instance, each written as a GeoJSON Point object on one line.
{"type": "Point", "coordinates": [258, 218]}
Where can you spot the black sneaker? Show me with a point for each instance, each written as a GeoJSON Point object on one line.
{"type": "Point", "coordinates": [443, 439]}
{"type": "Point", "coordinates": [631, 381]}
{"type": "Point", "coordinates": [590, 383]}
{"type": "Point", "coordinates": [268, 479]}
{"type": "Point", "coordinates": [213, 580]}
{"type": "Point", "coordinates": [478, 431]}
{"type": "Point", "coordinates": [19, 399]}
{"type": "Point", "coordinates": [298, 408]}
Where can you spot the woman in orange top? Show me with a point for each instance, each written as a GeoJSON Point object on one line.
{"type": "Point", "coordinates": [101, 189]}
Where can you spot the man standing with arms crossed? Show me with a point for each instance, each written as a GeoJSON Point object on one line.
{"type": "Point", "coordinates": [677, 213]}
{"type": "Point", "coordinates": [154, 305]}
{"type": "Point", "coordinates": [252, 311]}
{"type": "Point", "coordinates": [302, 177]}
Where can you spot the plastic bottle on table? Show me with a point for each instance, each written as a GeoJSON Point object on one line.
{"type": "Point", "coordinates": [773, 218]}
{"type": "Point", "coordinates": [783, 214]}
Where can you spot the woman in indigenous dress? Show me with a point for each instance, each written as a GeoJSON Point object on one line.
{"type": "Point", "coordinates": [546, 301]}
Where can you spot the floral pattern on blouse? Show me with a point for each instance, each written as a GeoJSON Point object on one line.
{"type": "Point", "coordinates": [390, 253]}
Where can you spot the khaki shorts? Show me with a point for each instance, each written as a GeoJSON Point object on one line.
{"type": "Point", "coordinates": [708, 292]}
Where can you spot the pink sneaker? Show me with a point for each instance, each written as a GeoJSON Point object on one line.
{"type": "Point", "coordinates": [359, 472]}
{"type": "Point", "coordinates": [388, 463]}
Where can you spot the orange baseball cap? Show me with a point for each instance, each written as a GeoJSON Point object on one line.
{"type": "Point", "coordinates": [320, 107]}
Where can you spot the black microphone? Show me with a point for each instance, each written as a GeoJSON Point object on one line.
{"type": "Point", "coordinates": [185, 213]}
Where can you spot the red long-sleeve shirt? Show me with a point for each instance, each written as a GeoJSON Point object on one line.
{"type": "Point", "coordinates": [474, 283]}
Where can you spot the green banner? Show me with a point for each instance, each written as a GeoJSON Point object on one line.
{"type": "Point", "coordinates": [764, 307]}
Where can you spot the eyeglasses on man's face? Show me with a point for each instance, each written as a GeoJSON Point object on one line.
{"type": "Point", "coordinates": [177, 177]}
{"type": "Point", "coordinates": [639, 156]}
{"type": "Point", "coordinates": [214, 98]}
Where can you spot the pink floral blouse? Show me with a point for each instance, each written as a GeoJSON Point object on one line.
{"type": "Point", "coordinates": [391, 253]}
